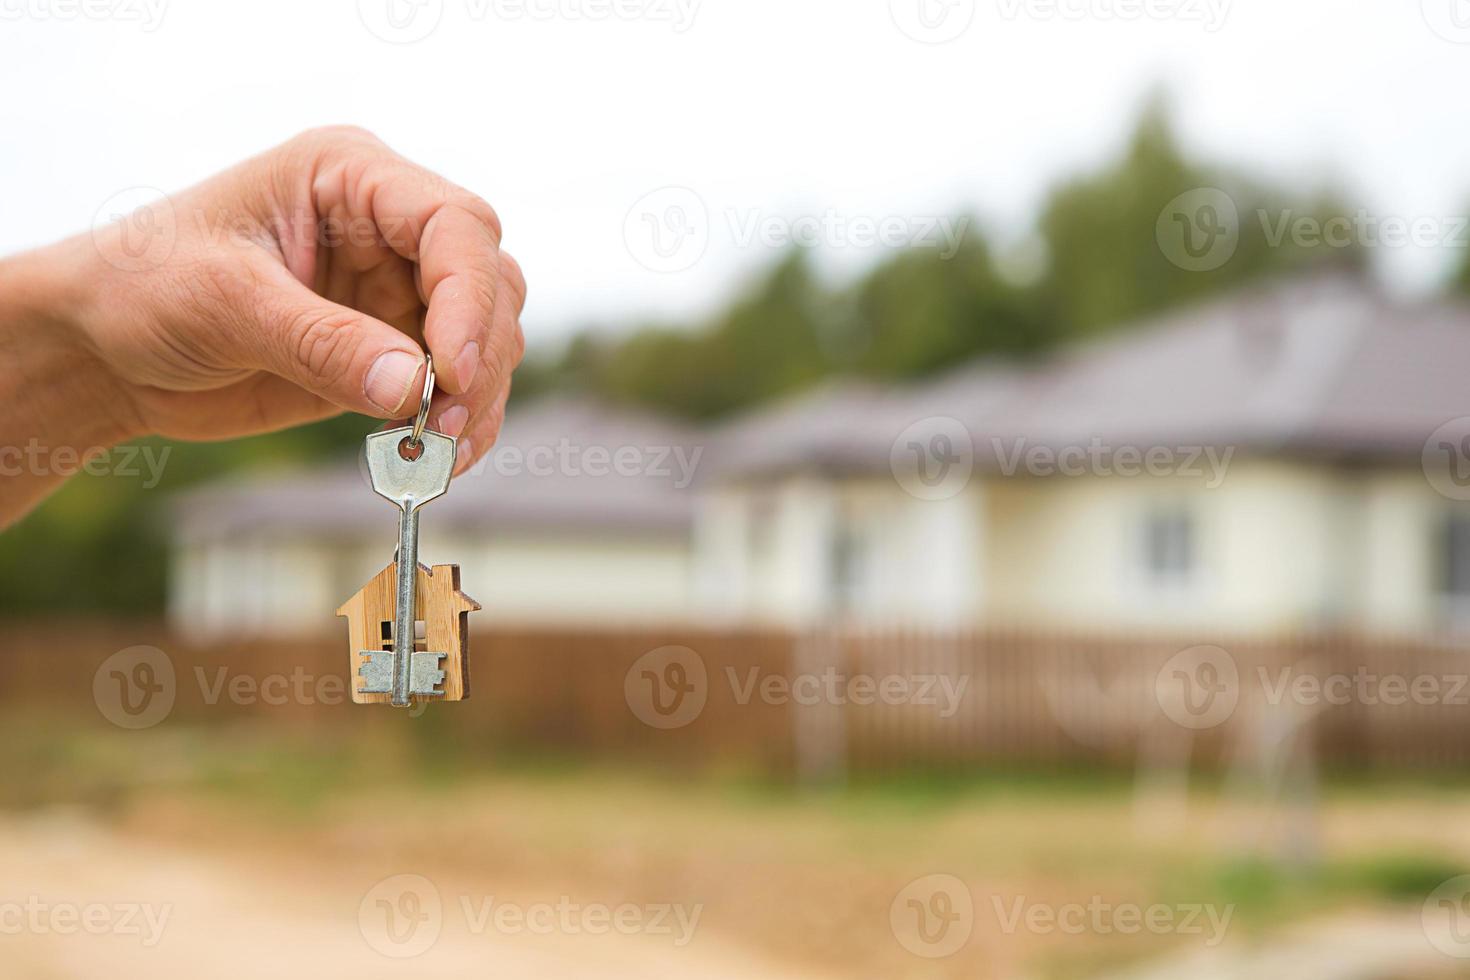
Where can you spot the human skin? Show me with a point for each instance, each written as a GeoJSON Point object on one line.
{"type": "Point", "coordinates": [295, 286]}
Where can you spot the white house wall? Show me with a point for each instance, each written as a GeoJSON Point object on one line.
{"type": "Point", "coordinates": [1280, 545]}
{"type": "Point", "coordinates": [765, 553]}
{"type": "Point", "coordinates": [1068, 550]}
{"type": "Point", "coordinates": [282, 587]}
{"type": "Point", "coordinates": [723, 569]}
{"type": "Point", "coordinates": [255, 587]}
{"type": "Point", "coordinates": [565, 579]}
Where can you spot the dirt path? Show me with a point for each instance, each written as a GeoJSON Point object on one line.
{"type": "Point", "coordinates": [157, 911]}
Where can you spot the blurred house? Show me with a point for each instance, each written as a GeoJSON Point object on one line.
{"type": "Point", "coordinates": [582, 514]}
{"type": "Point", "coordinates": [1260, 463]}
{"type": "Point", "coordinates": [1254, 464]}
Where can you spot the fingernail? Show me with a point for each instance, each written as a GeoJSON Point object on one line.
{"type": "Point", "coordinates": [464, 453]}
{"type": "Point", "coordinates": [466, 364]}
{"type": "Point", "coordinates": [390, 378]}
{"type": "Point", "coordinates": [452, 422]}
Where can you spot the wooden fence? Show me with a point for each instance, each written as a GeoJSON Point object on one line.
{"type": "Point", "coordinates": [824, 702]}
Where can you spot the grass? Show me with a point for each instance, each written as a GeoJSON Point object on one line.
{"type": "Point", "coordinates": [834, 855]}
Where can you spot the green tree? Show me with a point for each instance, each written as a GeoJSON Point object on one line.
{"type": "Point", "coordinates": [767, 344]}
{"type": "Point", "coordinates": [923, 311]}
{"type": "Point", "coordinates": [1108, 261]}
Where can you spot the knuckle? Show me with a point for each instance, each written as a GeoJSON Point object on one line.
{"type": "Point", "coordinates": [482, 292]}
{"type": "Point", "coordinates": [330, 147]}
{"type": "Point", "coordinates": [493, 423]}
{"type": "Point", "coordinates": [497, 372]}
{"type": "Point", "coordinates": [504, 359]}
{"type": "Point", "coordinates": [514, 277]}
{"type": "Point", "coordinates": [487, 428]}
{"type": "Point", "coordinates": [479, 209]}
{"type": "Point", "coordinates": [517, 345]}
{"type": "Point", "coordinates": [337, 134]}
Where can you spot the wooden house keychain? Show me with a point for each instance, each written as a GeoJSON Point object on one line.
{"type": "Point", "coordinates": [409, 627]}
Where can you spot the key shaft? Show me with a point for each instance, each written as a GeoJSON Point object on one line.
{"type": "Point", "coordinates": [406, 613]}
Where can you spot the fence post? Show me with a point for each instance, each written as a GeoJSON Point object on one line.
{"type": "Point", "coordinates": [819, 729]}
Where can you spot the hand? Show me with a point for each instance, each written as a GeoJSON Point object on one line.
{"type": "Point", "coordinates": [290, 288]}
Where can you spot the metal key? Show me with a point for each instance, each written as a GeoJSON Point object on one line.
{"type": "Point", "coordinates": [409, 466]}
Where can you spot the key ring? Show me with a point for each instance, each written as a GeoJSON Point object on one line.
{"type": "Point", "coordinates": [416, 438]}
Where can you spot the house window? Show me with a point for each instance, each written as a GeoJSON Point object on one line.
{"type": "Point", "coordinates": [1168, 546]}
{"type": "Point", "coordinates": [1454, 557]}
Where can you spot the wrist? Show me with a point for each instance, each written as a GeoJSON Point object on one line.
{"type": "Point", "coordinates": [55, 376]}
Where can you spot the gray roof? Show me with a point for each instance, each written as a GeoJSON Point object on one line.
{"type": "Point", "coordinates": [554, 466]}
{"type": "Point", "coordinates": [1323, 365]}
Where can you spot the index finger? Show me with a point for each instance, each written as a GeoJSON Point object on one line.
{"type": "Point", "coordinates": [454, 237]}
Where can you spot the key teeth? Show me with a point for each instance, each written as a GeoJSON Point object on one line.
{"type": "Point", "coordinates": [424, 676]}
{"type": "Point", "coordinates": [377, 672]}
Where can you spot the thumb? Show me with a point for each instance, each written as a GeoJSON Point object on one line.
{"type": "Point", "coordinates": [355, 361]}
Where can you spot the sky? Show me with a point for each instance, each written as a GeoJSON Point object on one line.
{"type": "Point", "coordinates": [647, 157]}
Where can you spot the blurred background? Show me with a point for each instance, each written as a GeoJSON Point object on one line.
{"type": "Point", "coordinates": [988, 496]}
